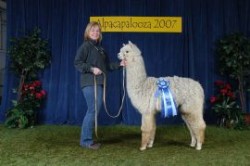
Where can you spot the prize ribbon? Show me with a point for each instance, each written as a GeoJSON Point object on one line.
{"type": "Point", "coordinates": [168, 106]}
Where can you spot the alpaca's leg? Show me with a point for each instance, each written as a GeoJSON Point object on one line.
{"type": "Point", "coordinates": [198, 126]}
{"type": "Point", "coordinates": [193, 116]}
{"type": "Point", "coordinates": [145, 139]}
{"type": "Point", "coordinates": [200, 134]}
{"type": "Point", "coordinates": [152, 133]}
{"type": "Point", "coordinates": [146, 128]}
{"type": "Point", "coordinates": [151, 138]}
{"type": "Point", "coordinates": [193, 139]}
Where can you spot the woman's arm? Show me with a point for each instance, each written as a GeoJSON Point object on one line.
{"type": "Point", "coordinates": [81, 59]}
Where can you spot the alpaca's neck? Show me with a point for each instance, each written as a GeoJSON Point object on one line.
{"type": "Point", "coordinates": [136, 73]}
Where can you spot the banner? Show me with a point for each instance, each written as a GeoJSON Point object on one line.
{"type": "Point", "coordinates": [139, 24]}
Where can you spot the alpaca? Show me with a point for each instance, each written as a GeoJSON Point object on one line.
{"type": "Point", "coordinates": [187, 93]}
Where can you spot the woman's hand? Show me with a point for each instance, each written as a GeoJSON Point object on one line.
{"type": "Point", "coordinates": [96, 71]}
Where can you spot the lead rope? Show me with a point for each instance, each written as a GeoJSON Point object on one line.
{"type": "Point", "coordinates": [104, 99]}
{"type": "Point", "coordinates": [96, 113]}
{"type": "Point", "coordinates": [123, 97]}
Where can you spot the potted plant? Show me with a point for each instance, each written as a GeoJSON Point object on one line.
{"type": "Point", "coordinates": [225, 106]}
{"type": "Point", "coordinates": [28, 55]}
{"type": "Point", "coordinates": [234, 61]}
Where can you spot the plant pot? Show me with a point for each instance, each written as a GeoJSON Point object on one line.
{"type": "Point", "coordinates": [226, 123]}
{"type": "Point", "coordinates": [247, 118]}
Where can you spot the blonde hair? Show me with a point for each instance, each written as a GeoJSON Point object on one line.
{"type": "Point", "coordinates": [89, 26]}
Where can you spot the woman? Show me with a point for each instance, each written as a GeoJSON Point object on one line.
{"type": "Point", "coordinates": [91, 61]}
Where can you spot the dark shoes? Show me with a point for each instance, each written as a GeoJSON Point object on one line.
{"type": "Point", "coordinates": [93, 146]}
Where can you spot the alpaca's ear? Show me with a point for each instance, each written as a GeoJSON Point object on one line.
{"type": "Point", "coordinates": [131, 44]}
{"type": "Point", "coordinates": [123, 44]}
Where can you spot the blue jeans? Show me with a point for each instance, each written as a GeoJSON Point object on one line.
{"type": "Point", "coordinates": [89, 119]}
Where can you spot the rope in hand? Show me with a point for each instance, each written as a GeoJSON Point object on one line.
{"type": "Point", "coordinates": [104, 99]}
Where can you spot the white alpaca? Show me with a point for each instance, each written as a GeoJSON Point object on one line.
{"type": "Point", "coordinates": [187, 93]}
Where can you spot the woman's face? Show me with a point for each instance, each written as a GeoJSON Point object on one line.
{"type": "Point", "coordinates": [94, 33]}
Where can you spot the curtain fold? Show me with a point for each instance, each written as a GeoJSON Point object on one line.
{"type": "Point", "coordinates": [62, 22]}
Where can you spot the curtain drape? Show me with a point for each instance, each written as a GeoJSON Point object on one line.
{"type": "Point", "coordinates": [62, 22]}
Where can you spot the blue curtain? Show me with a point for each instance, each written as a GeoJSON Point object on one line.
{"type": "Point", "coordinates": [62, 22]}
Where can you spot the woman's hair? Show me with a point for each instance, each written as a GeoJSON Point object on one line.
{"type": "Point", "coordinates": [89, 26]}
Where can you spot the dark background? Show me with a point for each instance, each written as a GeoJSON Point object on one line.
{"type": "Point", "coordinates": [188, 54]}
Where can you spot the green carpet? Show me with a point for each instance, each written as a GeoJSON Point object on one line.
{"type": "Point", "coordinates": [59, 145]}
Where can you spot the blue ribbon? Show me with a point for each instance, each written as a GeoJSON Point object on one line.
{"type": "Point", "coordinates": [168, 106]}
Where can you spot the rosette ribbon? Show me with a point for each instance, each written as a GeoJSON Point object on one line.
{"type": "Point", "coordinates": [168, 106]}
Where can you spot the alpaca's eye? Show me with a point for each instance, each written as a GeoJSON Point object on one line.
{"type": "Point", "coordinates": [126, 51]}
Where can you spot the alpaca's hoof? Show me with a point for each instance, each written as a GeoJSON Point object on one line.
{"type": "Point", "coordinates": [192, 145]}
{"type": "Point", "coordinates": [150, 146]}
{"type": "Point", "coordinates": [198, 147]}
{"type": "Point", "coordinates": [142, 148]}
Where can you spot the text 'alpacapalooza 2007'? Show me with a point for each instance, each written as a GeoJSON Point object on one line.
{"type": "Point", "coordinates": [187, 93]}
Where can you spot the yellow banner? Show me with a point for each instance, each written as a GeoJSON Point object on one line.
{"type": "Point", "coordinates": [139, 24]}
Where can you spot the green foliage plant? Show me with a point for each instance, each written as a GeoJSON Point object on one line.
{"type": "Point", "coordinates": [28, 55]}
{"type": "Point", "coordinates": [234, 61]}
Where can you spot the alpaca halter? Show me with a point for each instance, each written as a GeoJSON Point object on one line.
{"type": "Point", "coordinates": [104, 98]}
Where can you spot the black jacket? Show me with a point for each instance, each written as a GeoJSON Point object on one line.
{"type": "Point", "coordinates": [91, 54]}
